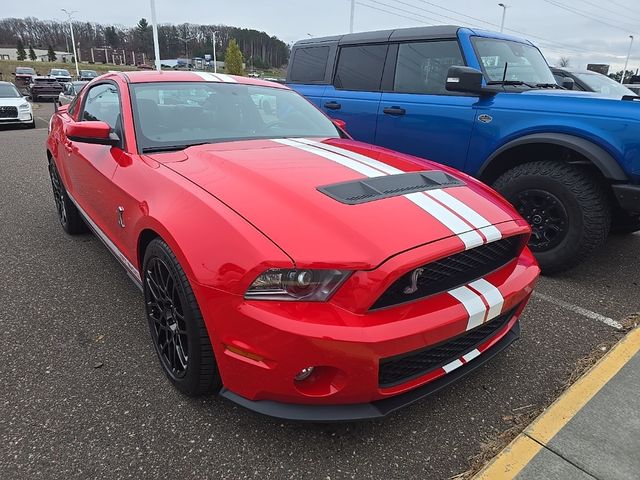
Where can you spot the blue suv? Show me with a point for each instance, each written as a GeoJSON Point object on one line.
{"type": "Point", "coordinates": [487, 104]}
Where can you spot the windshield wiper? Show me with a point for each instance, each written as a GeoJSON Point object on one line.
{"type": "Point", "coordinates": [549, 85]}
{"type": "Point", "coordinates": [505, 82]}
{"type": "Point", "coordinates": [170, 148]}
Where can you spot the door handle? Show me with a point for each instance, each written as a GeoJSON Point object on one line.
{"type": "Point", "coordinates": [332, 105]}
{"type": "Point", "coordinates": [395, 111]}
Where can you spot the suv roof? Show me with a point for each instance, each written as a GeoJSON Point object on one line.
{"type": "Point", "coordinates": [399, 34]}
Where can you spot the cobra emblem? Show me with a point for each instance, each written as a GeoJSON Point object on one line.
{"type": "Point", "coordinates": [413, 288]}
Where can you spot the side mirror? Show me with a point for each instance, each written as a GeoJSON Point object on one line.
{"type": "Point", "coordinates": [466, 80]}
{"type": "Point", "coordinates": [341, 124]}
{"type": "Point", "coordinates": [568, 83]}
{"type": "Point", "coordinates": [98, 133]}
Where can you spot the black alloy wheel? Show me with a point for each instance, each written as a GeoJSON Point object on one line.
{"type": "Point", "coordinates": [68, 214]}
{"type": "Point", "coordinates": [165, 309]}
{"type": "Point", "coordinates": [178, 332]}
{"type": "Point", "coordinates": [546, 215]}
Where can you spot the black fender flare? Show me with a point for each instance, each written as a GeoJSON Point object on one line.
{"type": "Point", "coordinates": [603, 161]}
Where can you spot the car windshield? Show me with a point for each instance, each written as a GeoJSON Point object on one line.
{"type": "Point", "coordinates": [174, 115]}
{"type": "Point", "coordinates": [524, 62]}
{"type": "Point", "coordinates": [60, 72]}
{"type": "Point", "coordinates": [25, 70]}
{"type": "Point", "coordinates": [88, 73]}
{"type": "Point", "coordinates": [9, 91]}
{"type": "Point", "coordinates": [77, 87]}
{"type": "Point", "coordinates": [603, 84]}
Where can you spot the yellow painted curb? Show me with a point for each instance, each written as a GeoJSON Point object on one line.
{"type": "Point", "coordinates": [510, 461]}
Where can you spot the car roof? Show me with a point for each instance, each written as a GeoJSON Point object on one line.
{"type": "Point", "coordinates": [415, 33]}
{"type": "Point", "coordinates": [150, 76]}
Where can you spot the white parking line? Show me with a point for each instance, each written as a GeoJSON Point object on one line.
{"type": "Point", "coordinates": [579, 310]}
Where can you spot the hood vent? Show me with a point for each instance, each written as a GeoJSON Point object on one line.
{"type": "Point", "coordinates": [376, 188]}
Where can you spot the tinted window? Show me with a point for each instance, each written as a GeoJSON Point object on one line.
{"type": "Point", "coordinates": [309, 64]}
{"type": "Point", "coordinates": [360, 68]}
{"type": "Point", "coordinates": [103, 104]}
{"type": "Point", "coordinates": [422, 67]}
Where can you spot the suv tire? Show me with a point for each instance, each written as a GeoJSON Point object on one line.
{"type": "Point", "coordinates": [566, 206]}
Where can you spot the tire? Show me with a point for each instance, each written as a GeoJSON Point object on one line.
{"type": "Point", "coordinates": [175, 321]}
{"type": "Point", "coordinates": [624, 224]}
{"type": "Point", "coordinates": [567, 207]}
{"type": "Point", "coordinates": [68, 214]}
{"type": "Point", "coordinates": [34, 98]}
{"type": "Point", "coordinates": [32, 124]}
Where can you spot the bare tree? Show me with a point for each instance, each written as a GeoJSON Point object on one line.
{"type": "Point", "coordinates": [564, 62]}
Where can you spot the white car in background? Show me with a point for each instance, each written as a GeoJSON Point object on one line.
{"type": "Point", "coordinates": [14, 108]}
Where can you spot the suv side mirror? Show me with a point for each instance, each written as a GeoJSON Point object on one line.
{"type": "Point", "coordinates": [466, 80]}
{"type": "Point", "coordinates": [568, 83]}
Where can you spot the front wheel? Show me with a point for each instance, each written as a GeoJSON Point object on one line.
{"type": "Point", "coordinates": [566, 206]}
{"type": "Point", "coordinates": [68, 213]}
{"type": "Point", "coordinates": [176, 325]}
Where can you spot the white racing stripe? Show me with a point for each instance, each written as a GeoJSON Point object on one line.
{"type": "Point", "coordinates": [492, 295]}
{"type": "Point", "coordinates": [472, 303]}
{"type": "Point", "coordinates": [469, 214]}
{"type": "Point", "coordinates": [452, 366]}
{"type": "Point", "coordinates": [365, 170]}
{"type": "Point", "coordinates": [471, 355]}
{"type": "Point", "coordinates": [209, 77]}
{"type": "Point", "coordinates": [226, 78]}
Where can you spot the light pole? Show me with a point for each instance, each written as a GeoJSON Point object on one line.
{"type": "Point", "coordinates": [626, 62]}
{"type": "Point", "coordinates": [73, 41]}
{"type": "Point", "coordinates": [353, 12]}
{"type": "Point", "coordinates": [154, 27]}
{"type": "Point", "coordinates": [213, 40]}
{"type": "Point", "coordinates": [504, 14]}
{"type": "Point", "coordinates": [186, 48]}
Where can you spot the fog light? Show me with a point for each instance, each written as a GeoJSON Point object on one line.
{"type": "Point", "coordinates": [303, 374]}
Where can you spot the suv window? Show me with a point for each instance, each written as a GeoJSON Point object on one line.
{"type": "Point", "coordinates": [360, 67]}
{"type": "Point", "coordinates": [422, 67]}
{"type": "Point", "coordinates": [309, 64]}
{"type": "Point", "coordinates": [103, 103]}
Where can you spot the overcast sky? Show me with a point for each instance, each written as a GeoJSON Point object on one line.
{"type": "Point", "coordinates": [586, 31]}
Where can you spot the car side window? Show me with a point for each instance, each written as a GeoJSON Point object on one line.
{"type": "Point", "coordinates": [422, 66]}
{"type": "Point", "coordinates": [103, 104]}
{"type": "Point", "coordinates": [309, 64]}
{"type": "Point", "coordinates": [360, 67]}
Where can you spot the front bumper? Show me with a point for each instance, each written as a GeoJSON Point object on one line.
{"type": "Point", "coordinates": [261, 346]}
{"type": "Point", "coordinates": [628, 197]}
{"type": "Point", "coordinates": [23, 118]}
{"type": "Point", "coordinates": [375, 409]}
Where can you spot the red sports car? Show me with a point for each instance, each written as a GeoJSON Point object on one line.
{"type": "Point", "coordinates": [285, 266]}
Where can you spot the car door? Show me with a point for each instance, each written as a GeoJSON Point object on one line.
{"type": "Point", "coordinates": [355, 93]}
{"type": "Point", "coordinates": [417, 115]}
{"type": "Point", "coordinates": [91, 167]}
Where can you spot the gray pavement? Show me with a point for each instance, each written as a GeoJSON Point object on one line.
{"type": "Point", "coordinates": [602, 440]}
{"type": "Point", "coordinates": [83, 396]}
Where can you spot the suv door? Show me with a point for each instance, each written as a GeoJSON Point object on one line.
{"type": "Point", "coordinates": [355, 94]}
{"type": "Point", "coordinates": [417, 115]}
{"type": "Point", "coordinates": [91, 167]}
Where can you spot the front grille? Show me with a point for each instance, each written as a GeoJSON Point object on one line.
{"type": "Point", "coordinates": [8, 112]}
{"type": "Point", "coordinates": [450, 272]}
{"type": "Point", "coordinates": [397, 370]}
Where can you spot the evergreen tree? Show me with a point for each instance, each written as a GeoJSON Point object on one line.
{"type": "Point", "coordinates": [32, 54]}
{"type": "Point", "coordinates": [233, 59]}
{"type": "Point", "coordinates": [20, 52]}
{"type": "Point", "coordinates": [51, 54]}
{"type": "Point", "coordinates": [143, 35]}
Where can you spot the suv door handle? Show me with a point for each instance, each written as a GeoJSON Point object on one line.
{"type": "Point", "coordinates": [332, 105]}
{"type": "Point", "coordinates": [395, 111]}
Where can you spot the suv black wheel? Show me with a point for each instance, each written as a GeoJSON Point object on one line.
{"type": "Point", "coordinates": [68, 214]}
{"type": "Point", "coordinates": [177, 329]}
{"type": "Point", "coordinates": [566, 206]}
{"type": "Point", "coordinates": [623, 223]}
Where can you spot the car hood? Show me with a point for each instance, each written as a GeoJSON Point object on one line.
{"type": "Point", "coordinates": [12, 102]}
{"type": "Point", "coordinates": [274, 185]}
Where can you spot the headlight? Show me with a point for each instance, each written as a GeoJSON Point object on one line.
{"type": "Point", "coordinates": [296, 284]}
{"type": "Point", "coordinates": [24, 107]}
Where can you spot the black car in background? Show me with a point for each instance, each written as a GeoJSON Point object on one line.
{"type": "Point", "coordinates": [44, 87]}
{"type": "Point", "coordinates": [87, 75]}
{"type": "Point", "coordinates": [588, 81]}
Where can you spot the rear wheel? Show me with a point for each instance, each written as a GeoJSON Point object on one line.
{"type": "Point", "coordinates": [68, 214]}
{"type": "Point", "coordinates": [176, 325]}
{"type": "Point", "coordinates": [566, 206]}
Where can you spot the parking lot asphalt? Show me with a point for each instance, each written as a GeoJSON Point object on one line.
{"type": "Point", "coordinates": [84, 396]}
